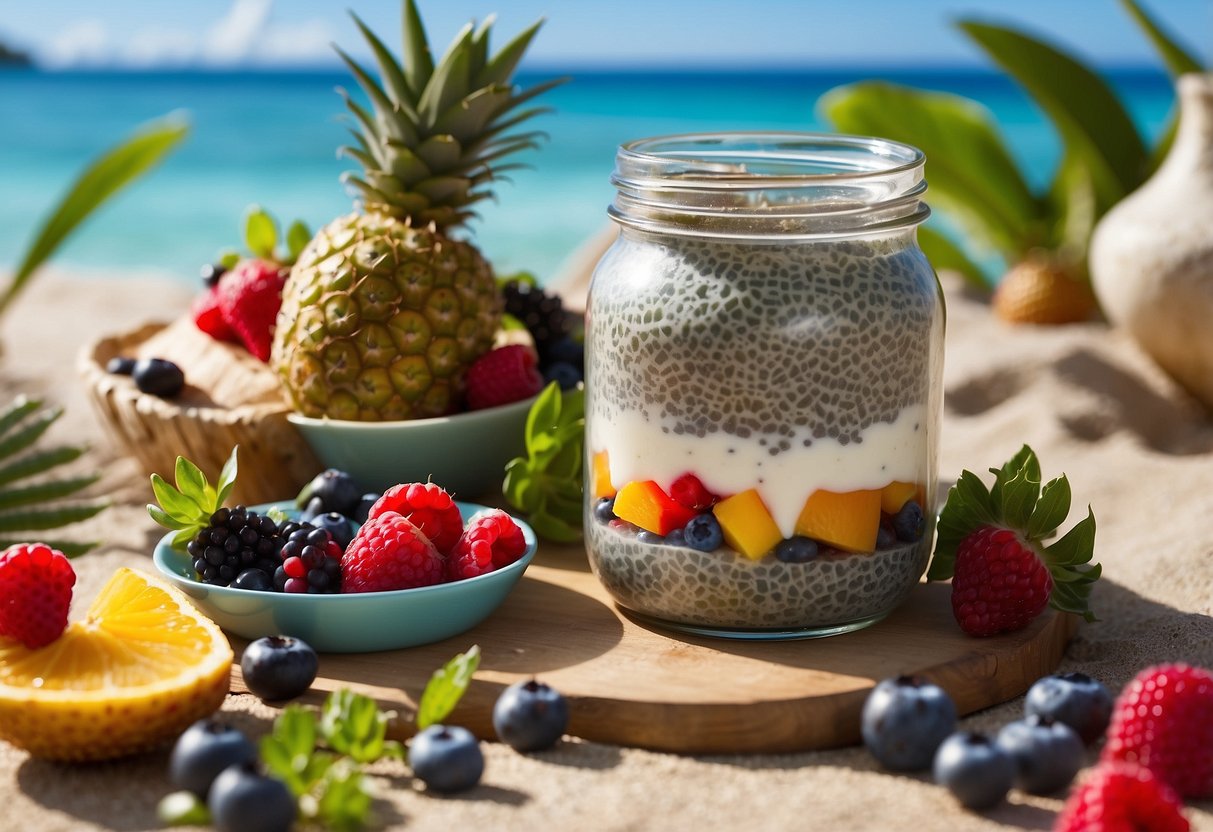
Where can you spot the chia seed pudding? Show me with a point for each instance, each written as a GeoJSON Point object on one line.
{"type": "Point", "coordinates": [762, 407]}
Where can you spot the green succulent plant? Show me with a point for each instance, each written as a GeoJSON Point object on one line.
{"type": "Point", "coordinates": [974, 179]}
{"type": "Point", "coordinates": [30, 503]}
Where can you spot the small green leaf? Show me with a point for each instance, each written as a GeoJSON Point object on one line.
{"type": "Point", "coordinates": [227, 478]}
{"type": "Point", "coordinates": [352, 724]}
{"type": "Point", "coordinates": [179, 505]}
{"type": "Point", "coordinates": [1075, 546]}
{"type": "Point", "coordinates": [344, 798]}
{"type": "Point", "coordinates": [192, 482]}
{"type": "Point", "coordinates": [524, 278]}
{"type": "Point", "coordinates": [1019, 494]}
{"type": "Point", "coordinates": [277, 515]}
{"type": "Point", "coordinates": [543, 416]}
{"type": "Point", "coordinates": [1051, 510]}
{"type": "Point", "coordinates": [229, 258]}
{"type": "Point", "coordinates": [182, 538]}
{"type": "Point", "coordinates": [260, 232]}
{"type": "Point", "coordinates": [446, 687]}
{"type": "Point", "coordinates": [297, 238]}
{"type": "Point", "coordinates": [165, 519]}
{"type": "Point", "coordinates": [509, 322]}
{"type": "Point", "coordinates": [295, 728]}
{"type": "Point", "coordinates": [1023, 457]}
{"type": "Point", "coordinates": [183, 809]}
{"type": "Point", "coordinates": [13, 415]}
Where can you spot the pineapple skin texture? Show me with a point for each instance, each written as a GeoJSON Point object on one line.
{"type": "Point", "coordinates": [380, 321]}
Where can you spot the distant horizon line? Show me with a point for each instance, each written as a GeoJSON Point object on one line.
{"type": "Point", "coordinates": [815, 67]}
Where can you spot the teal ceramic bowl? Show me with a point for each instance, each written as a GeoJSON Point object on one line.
{"type": "Point", "coordinates": [356, 623]}
{"type": "Point", "coordinates": [465, 453]}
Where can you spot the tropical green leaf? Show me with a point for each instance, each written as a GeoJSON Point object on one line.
{"type": "Point", "coordinates": [17, 410]}
{"type": "Point", "coordinates": [1090, 118]}
{"type": "Point", "coordinates": [49, 518]}
{"type": "Point", "coordinates": [107, 175]}
{"type": "Point", "coordinates": [971, 173]}
{"type": "Point", "coordinates": [70, 548]}
{"type": "Point", "coordinates": [944, 253]}
{"type": "Point", "coordinates": [260, 232]}
{"type": "Point", "coordinates": [1177, 59]}
{"type": "Point", "coordinates": [29, 433]}
{"type": "Point", "coordinates": [45, 491]}
{"type": "Point", "coordinates": [418, 61]}
{"type": "Point", "coordinates": [297, 238]}
{"type": "Point", "coordinates": [1074, 208]}
{"type": "Point", "coordinates": [37, 463]}
{"type": "Point", "coordinates": [178, 505]}
{"type": "Point", "coordinates": [1051, 510]}
{"type": "Point", "coordinates": [543, 416]}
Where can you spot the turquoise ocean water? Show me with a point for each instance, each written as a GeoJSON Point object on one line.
{"type": "Point", "coordinates": [270, 138]}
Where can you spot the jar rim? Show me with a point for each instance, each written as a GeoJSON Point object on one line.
{"type": "Point", "coordinates": [760, 184]}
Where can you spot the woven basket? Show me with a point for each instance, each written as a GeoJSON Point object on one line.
{"type": "Point", "coordinates": [230, 399]}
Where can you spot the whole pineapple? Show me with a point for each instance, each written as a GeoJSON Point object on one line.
{"type": "Point", "coordinates": [384, 310]}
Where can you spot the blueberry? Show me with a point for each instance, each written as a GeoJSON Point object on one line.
{"type": "Point", "coordinates": [566, 350]}
{"type": "Point", "coordinates": [530, 716]}
{"type": "Point", "coordinates": [446, 758]}
{"type": "Point", "coordinates": [158, 377]}
{"type": "Point", "coordinates": [604, 510]}
{"type": "Point", "coordinates": [211, 273]}
{"type": "Point", "coordinates": [652, 538]}
{"type": "Point", "coordinates": [256, 579]}
{"type": "Point", "coordinates": [1075, 699]}
{"type": "Point", "coordinates": [336, 489]}
{"type": "Point", "coordinates": [703, 532]}
{"type": "Point", "coordinates": [313, 509]}
{"type": "Point", "coordinates": [243, 800]}
{"type": "Point", "coordinates": [974, 769]}
{"type": "Point", "coordinates": [1047, 754]}
{"type": "Point", "coordinates": [563, 373]}
{"type": "Point", "coordinates": [676, 538]}
{"type": "Point", "coordinates": [796, 550]}
{"type": "Point", "coordinates": [910, 523]}
{"type": "Point", "coordinates": [360, 512]}
{"type": "Point", "coordinates": [904, 721]}
{"type": "Point", "coordinates": [120, 366]}
{"type": "Point", "coordinates": [886, 538]}
{"type": "Point", "coordinates": [206, 748]}
{"type": "Point", "coordinates": [279, 667]}
{"type": "Point", "coordinates": [338, 526]}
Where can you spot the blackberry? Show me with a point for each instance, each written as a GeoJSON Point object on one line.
{"type": "Point", "coordinates": [542, 314]}
{"type": "Point", "coordinates": [236, 541]}
{"type": "Point", "coordinates": [310, 561]}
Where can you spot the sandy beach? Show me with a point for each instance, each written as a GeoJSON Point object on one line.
{"type": "Point", "coordinates": [1133, 444]}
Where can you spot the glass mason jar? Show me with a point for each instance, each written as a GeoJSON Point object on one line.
{"type": "Point", "coordinates": [764, 349]}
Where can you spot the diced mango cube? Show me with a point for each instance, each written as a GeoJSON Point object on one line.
{"type": "Point", "coordinates": [848, 521]}
{"type": "Point", "coordinates": [895, 495]}
{"type": "Point", "coordinates": [600, 477]}
{"type": "Point", "coordinates": [644, 504]}
{"type": "Point", "coordinates": [747, 525]}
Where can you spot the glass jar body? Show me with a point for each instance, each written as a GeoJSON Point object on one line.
{"type": "Point", "coordinates": [798, 382]}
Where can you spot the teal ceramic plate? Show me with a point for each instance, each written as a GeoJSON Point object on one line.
{"type": "Point", "coordinates": [354, 623]}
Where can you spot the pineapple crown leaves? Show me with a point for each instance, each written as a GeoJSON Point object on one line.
{"type": "Point", "coordinates": [1017, 501]}
{"type": "Point", "coordinates": [187, 508]}
{"type": "Point", "coordinates": [43, 505]}
{"type": "Point", "coordinates": [261, 238]}
{"type": "Point", "coordinates": [434, 136]}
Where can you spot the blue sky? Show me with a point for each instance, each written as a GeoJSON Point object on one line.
{"type": "Point", "coordinates": [702, 33]}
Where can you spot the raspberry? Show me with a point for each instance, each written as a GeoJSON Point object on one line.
{"type": "Point", "coordinates": [250, 296]}
{"type": "Point", "coordinates": [492, 540]}
{"type": "Point", "coordinates": [1000, 585]}
{"type": "Point", "coordinates": [1122, 797]}
{"type": "Point", "coordinates": [35, 592]}
{"type": "Point", "coordinates": [427, 507]}
{"type": "Point", "coordinates": [688, 491]}
{"type": "Point", "coordinates": [504, 375]}
{"type": "Point", "coordinates": [207, 313]}
{"type": "Point", "coordinates": [1163, 721]}
{"type": "Point", "coordinates": [389, 553]}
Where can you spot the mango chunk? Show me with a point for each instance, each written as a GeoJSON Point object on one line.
{"type": "Point", "coordinates": [847, 521]}
{"type": "Point", "coordinates": [644, 504]}
{"type": "Point", "coordinates": [895, 495]}
{"type": "Point", "coordinates": [747, 525]}
{"type": "Point", "coordinates": [600, 477]}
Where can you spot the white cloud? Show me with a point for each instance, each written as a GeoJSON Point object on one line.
{"type": "Point", "coordinates": [245, 34]}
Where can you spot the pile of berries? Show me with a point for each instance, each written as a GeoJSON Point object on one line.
{"type": "Point", "coordinates": [561, 357]}
{"type": "Point", "coordinates": [413, 535]}
{"type": "Point", "coordinates": [1159, 747]}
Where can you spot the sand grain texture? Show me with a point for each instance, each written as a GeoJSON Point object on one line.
{"type": "Point", "coordinates": [1086, 399]}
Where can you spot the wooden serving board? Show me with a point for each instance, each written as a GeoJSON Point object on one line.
{"type": "Point", "coordinates": [631, 685]}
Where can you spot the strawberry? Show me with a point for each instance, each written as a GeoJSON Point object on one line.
{"type": "Point", "coordinates": [1163, 721]}
{"type": "Point", "coordinates": [991, 544]}
{"type": "Point", "coordinates": [389, 553]}
{"type": "Point", "coordinates": [1039, 292]}
{"type": "Point", "coordinates": [491, 541]}
{"type": "Point", "coordinates": [250, 296]}
{"type": "Point", "coordinates": [500, 376]}
{"type": "Point", "coordinates": [427, 507]}
{"type": "Point", "coordinates": [207, 313]}
{"type": "Point", "coordinates": [1121, 797]}
{"type": "Point", "coordinates": [35, 592]}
